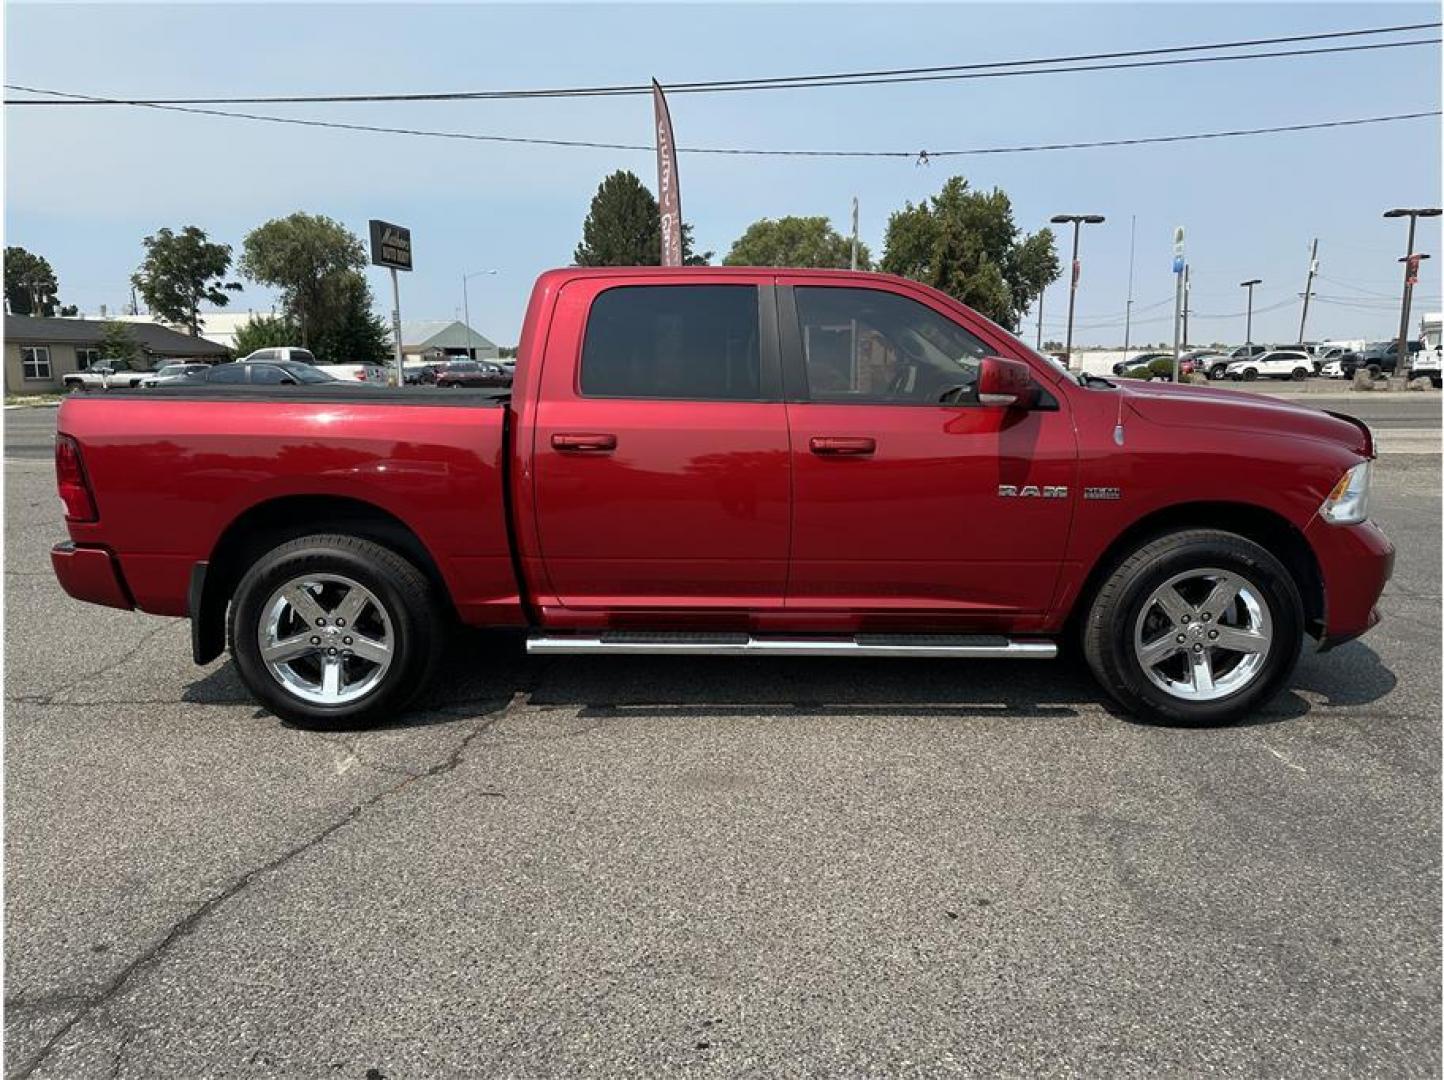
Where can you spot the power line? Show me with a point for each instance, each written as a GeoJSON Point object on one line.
{"type": "Point", "coordinates": [853, 78]}
{"type": "Point", "coordinates": [922, 156]}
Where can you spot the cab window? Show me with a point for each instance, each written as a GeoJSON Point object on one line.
{"type": "Point", "coordinates": [865, 345]}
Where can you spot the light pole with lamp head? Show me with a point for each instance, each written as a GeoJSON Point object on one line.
{"type": "Point", "coordinates": [1411, 273]}
{"type": "Point", "coordinates": [466, 305]}
{"type": "Point", "coordinates": [1076, 220]}
{"type": "Point", "coordinates": [1248, 325]}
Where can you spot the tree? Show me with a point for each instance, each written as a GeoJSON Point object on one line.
{"type": "Point", "coordinates": [351, 332]}
{"type": "Point", "coordinates": [965, 243]}
{"type": "Point", "coordinates": [264, 332]}
{"type": "Point", "coordinates": [30, 285]}
{"type": "Point", "coordinates": [182, 270]}
{"type": "Point", "coordinates": [117, 342]}
{"type": "Point", "coordinates": [795, 241]}
{"type": "Point", "coordinates": [302, 255]}
{"type": "Point", "coordinates": [624, 227]}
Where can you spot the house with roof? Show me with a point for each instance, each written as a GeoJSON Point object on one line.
{"type": "Point", "coordinates": [40, 352]}
{"type": "Point", "coordinates": [436, 339]}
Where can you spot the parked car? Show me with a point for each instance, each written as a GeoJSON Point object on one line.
{"type": "Point", "coordinates": [419, 374]}
{"type": "Point", "coordinates": [105, 375]}
{"type": "Point", "coordinates": [1278, 364]}
{"type": "Point", "coordinates": [370, 373]}
{"type": "Point", "coordinates": [682, 473]}
{"type": "Point", "coordinates": [1426, 361]}
{"type": "Point", "coordinates": [1160, 367]}
{"type": "Point", "coordinates": [1141, 360]}
{"type": "Point", "coordinates": [274, 373]}
{"type": "Point", "coordinates": [1334, 369]}
{"type": "Point", "coordinates": [1243, 352]}
{"type": "Point", "coordinates": [171, 374]}
{"type": "Point", "coordinates": [458, 373]}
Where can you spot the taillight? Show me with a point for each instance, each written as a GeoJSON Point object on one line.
{"type": "Point", "coordinates": [71, 481]}
{"type": "Point", "coordinates": [361, 375]}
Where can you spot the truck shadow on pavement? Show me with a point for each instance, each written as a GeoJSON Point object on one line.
{"type": "Point", "coordinates": [485, 672]}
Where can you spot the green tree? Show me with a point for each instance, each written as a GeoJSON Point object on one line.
{"type": "Point", "coordinates": [303, 255]}
{"type": "Point", "coordinates": [351, 332]}
{"type": "Point", "coordinates": [264, 332]}
{"type": "Point", "coordinates": [795, 241]}
{"type": "Point", "coordinates": [624, 227]}
{"type": "Point", "coordinates": [180, 271]}
{"type": "Point", "coordinates": [30, 285]}
{"type": "Point", "coordinates": [965, 243]}
{"type": "Point", "coordinates": [117, 342]}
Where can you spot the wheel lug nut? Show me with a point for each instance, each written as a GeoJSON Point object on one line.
{"type": "Point", "coordinates": [340, 622]}
{"type": "Point", "coordinates": [320, 622]}
{"type": "Point", "coordinates": [332, 652]}
{"type": "Point", "coordinates": [1206, 616]}
{"type": "Point", "coordinates": [1213, 633]}
{"type": "Point", "coordinates": [1184, 619]}
{"type": "Point", "coordinates": [315, 641]}
{"type": "Point", "coordinates": [347, 641]}
{"type": "Point", "coordinates": [1181, 639]}
{"type": "Point", "coordinates": [1198, 648]}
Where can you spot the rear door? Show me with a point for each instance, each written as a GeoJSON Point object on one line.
{"type": "Point", "coordinates": [661, 467]}
{"type": "Point", "coordinates": [914, 503]}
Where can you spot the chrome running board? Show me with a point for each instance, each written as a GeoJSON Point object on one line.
{"type": "Point", "coordinates": [960, 647]}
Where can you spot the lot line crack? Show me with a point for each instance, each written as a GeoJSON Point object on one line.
{"type": "Point", "coordinates": [89, 1003]}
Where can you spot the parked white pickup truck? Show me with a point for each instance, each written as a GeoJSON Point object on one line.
{"type": "Point", "coordinates": [104, 375]}
{"type": "Point", "coordinates": [1426, 362]}
{"type": "Point", "coordinates": [370, 373]}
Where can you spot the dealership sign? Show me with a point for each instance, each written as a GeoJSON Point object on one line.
{"type": "Point", "coordinates": [390, 245]}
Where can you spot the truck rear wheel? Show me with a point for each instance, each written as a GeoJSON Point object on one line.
{"type": "Point", "coordinates": [333, 631]}
{"type": "Point", "coordinates": [1196, 627]}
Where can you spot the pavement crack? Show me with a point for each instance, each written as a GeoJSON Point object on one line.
{"type": "Point", "coordinates": [183, 927]}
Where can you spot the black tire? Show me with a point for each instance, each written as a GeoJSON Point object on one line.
{"type": "Point", "coordinates": [1375, 371]}
{"type": "Point", "coordinates": [1437, 381]}
{"type": "Point", "coordinates": [403, 590]}
{"type": "Point", "coordinates": [1300, 374]}
{"type": "Point", "coordinates": [1108, 630]}
{"type": "Point", "coordinates": [1218, 372]}
{"type": "Point", "coordinates": [1250, 374]}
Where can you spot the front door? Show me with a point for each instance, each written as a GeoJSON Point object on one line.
{"type": "Point", "coordinates": [913, 502]}
{"type": "Point", "coordinates": [662, 475]}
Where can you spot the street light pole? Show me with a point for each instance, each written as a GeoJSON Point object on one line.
{"type": "Point", "coordinates": [466, 306]}
{"type": "Point", "coordinates": [1411, 269]}
{"type": "Point", "coordinates": [1248, 326]}
{"type": "Point", "coordinates": [1076, 220]}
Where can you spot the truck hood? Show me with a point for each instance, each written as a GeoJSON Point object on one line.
{"type": "Point", "coordinates": [1231, 410]}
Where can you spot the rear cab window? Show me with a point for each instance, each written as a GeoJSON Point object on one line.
{"type": "Point", "coordinates": [687, 342]}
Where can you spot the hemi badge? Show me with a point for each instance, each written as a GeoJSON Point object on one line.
{"type": "Point", "coordinates": [1102, 493]}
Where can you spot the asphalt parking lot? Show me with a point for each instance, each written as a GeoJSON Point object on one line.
{"type": "Point", "coordinates": [635, 867]}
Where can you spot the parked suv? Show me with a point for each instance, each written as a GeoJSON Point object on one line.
{"type": "Point", "coordinates": [369, 373]}
{"type": "Point", "coordinates": [1278, 364]}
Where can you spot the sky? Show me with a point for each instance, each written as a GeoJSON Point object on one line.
{"type": "Point", "coordinates": [84, 185]}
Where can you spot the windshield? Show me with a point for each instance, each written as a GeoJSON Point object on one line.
{"type": "Point", "coordinates": [304, 373]}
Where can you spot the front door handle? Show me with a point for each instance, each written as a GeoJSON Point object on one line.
{"type": "Point", "coordinates": [582, 444]}
{"type": "Point", "coordinates": [839, 446]}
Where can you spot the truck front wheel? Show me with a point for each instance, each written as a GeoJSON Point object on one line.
{"type": "Point", "coordinates": [333, 631]}
{"type": "Point", "coordinates": [1196, 627]}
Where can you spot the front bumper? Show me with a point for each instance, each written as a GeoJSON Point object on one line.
{"type": "Point", "coordinates": [1356, 561]}
{"type": "Point", "coordinates": [91, 574]}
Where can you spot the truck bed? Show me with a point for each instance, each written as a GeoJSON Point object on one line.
{"type": "Point", "coordinates": [215, 464]}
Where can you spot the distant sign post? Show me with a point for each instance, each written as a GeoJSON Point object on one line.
{"type": "Point", "coordinates": [391, 247]}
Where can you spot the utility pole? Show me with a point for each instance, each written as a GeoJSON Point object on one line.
{"type": "Point", "coordinates": [1076, 220]}
{"type": "Point", "coordinates": [1411, 275]}
{"type": "Point", "coordinates": [854, 232]}
{"type": "Point", "coordinates": [1128, 307]}
{"type": "Point", "coordinates": [1248, 326]}
{"type": "Point", "coordinates": [1309, 286]}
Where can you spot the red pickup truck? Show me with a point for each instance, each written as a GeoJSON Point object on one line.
{"type": "Point", "coordinates": [734, 462]}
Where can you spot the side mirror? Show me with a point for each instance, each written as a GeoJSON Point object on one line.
{"type": "Point", "coordinates": [1006, 384]}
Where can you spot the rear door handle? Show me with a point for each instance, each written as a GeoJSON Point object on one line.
{"type": "Point", "coordinates": [839, 446]}
{"type": "Point", "coordinates": [581, 444]}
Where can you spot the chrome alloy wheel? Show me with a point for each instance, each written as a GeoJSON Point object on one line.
{"type": "Point", "coordinates": [1203, 635]}
{"type": "Point", "coordinates": [326, 639]}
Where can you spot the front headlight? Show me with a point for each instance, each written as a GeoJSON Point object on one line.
{"type": "Point", "coordinates": [1348, 503]}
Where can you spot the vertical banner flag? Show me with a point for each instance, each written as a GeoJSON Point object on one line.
{"type": "Point", "coordinates": [669, 196]}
